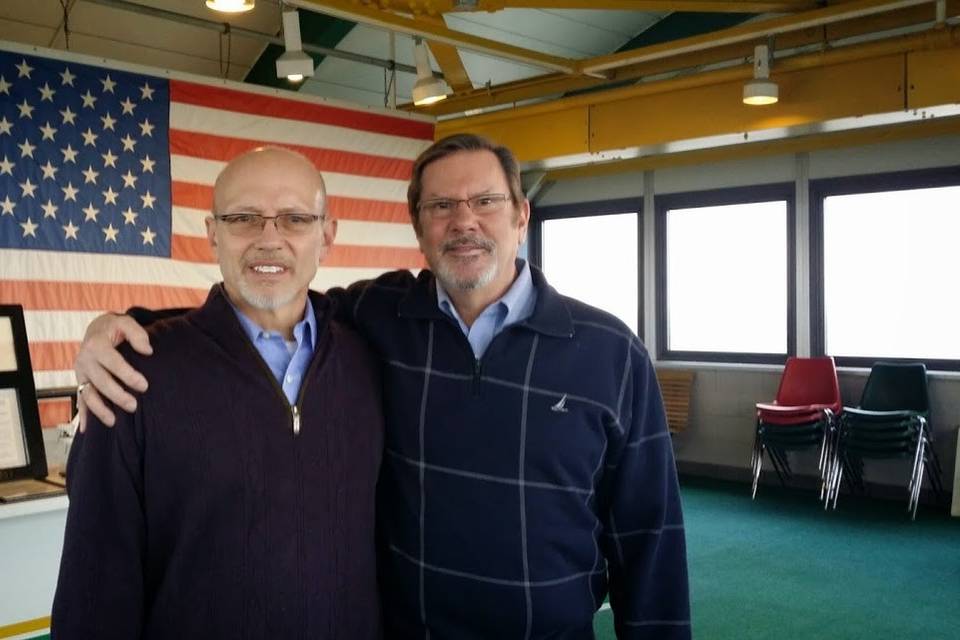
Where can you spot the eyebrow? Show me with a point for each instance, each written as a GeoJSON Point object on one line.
{"type": "Point", "coordinates": [481, 192]}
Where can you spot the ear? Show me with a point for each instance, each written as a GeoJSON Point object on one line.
{"type": "Point", "coordinates": [211, 233]}
{"type": "Point", "coordinates": [329, 232]}
{"type": "Point", "coordinates": [523, 221]}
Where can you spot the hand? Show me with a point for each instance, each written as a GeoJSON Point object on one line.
{"type": "Point", "coordinates": [101, 366]}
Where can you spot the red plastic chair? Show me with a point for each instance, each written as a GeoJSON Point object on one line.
{"type": "Point", "coordinates": [802, 417]}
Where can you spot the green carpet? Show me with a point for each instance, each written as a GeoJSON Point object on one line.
{"type": "Point", "coordinates": [781, 567]}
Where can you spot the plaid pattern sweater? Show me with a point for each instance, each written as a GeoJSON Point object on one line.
{"type": "Point", "coordinates": [519, 490]}
{"type": "Point", "coordinates": [203, 515]}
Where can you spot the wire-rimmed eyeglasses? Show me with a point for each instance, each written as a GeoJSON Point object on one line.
{"type": "Point", "coordinates": [248, 225]}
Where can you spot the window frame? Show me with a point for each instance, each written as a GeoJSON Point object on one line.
{"type": "Point", "coordinates": [823, 188]}
{"type": "Point", "coordinates": [596, 208]}
{"type": "Point", "coordinates": [721, 197]}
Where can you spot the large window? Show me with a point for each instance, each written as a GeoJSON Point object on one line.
{"type": "Point", "coordinates": [595, 258]}
{"type": "Point", "coordinates": [890, 268]}
{"type": "Point", "coordinates": [725, 275]}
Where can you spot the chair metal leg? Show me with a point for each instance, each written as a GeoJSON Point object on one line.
{"type": "Point", "coordinates": [757, 467]}
{"type": "Point", "coordinates": [780, 464]}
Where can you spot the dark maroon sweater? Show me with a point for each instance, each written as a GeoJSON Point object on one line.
{"type": "Point", "coordinates": [204, 515]}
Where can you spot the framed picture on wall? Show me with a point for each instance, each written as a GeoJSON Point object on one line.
{"type": "Point", "coordinates": [21, 441]}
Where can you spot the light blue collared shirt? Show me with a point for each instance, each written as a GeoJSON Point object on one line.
{"type": "Point", "coordinates": [515, 306]}
{"type": "Point", "coordinates": [288, 361]}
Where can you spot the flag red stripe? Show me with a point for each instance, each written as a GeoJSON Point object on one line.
{"type": "Point", "coordinates": [200, 196]}
{"type": "Point", "coordinates": [54, 411]}
{"type": "Point", "coordinates": [223, 148]}
{"type": "Point", "coordinates": [53, 356]}
{"type": "Point", "coordinates": [275, 106]}
{"type": "Point", "coordinates": [37, 295]}
{"type": "Point", "coordinates": [191, 249]}
{"type": "Point", "coordinates": [195, 249]}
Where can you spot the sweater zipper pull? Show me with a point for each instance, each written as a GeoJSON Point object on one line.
{"type": "Point", "coordinates": [296, 419]}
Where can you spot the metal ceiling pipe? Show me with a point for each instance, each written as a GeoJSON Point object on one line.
{"type": "Point", "coordinates": [249, 33]}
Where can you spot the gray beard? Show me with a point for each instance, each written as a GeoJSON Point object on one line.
{"type": "Point", "coordinates": [450, 280]}
{"type": "Point", "coordinates": [264, 301]}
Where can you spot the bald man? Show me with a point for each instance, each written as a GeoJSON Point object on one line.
{"type": "Point", "coordinates": [237, 501]}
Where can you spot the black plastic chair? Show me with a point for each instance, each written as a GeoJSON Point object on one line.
{"type": "Point", "coordinates": [892, 421]}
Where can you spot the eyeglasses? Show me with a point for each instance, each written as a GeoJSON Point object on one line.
{"type": "Point", "coordinates": [250, 225]}
{"type": "Point", "coordinates": [483, 204]}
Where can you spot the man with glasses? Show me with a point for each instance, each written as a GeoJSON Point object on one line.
{"type": "Point", "coordinates": [237, 501]}
{"type": "Point", "coordinates": [528, 470]}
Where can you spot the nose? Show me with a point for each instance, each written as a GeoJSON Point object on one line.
{"type": "Point", "coordinates": [270, 234]}
{"type": "Point", "coordinates": [463, 216]}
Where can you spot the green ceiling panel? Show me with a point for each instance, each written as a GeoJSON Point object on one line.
{"type": "Point", "coordinates": [316, 29]}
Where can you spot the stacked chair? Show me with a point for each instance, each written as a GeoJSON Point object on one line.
{"type": "Point", "coordinates": [803, 416]}
{"type": "Point", "coordinates": [892, 421]}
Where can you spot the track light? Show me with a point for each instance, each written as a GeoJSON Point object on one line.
{"type": "Point", "coordinates": [761, 90]}
{"type": "Point", "coordinates": [230, 6]}
{"type": "Point", "coordinates": [427, 89]}
{"type": "Point", "coordinates": [293, 64]}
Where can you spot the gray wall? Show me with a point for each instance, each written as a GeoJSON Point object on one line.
{"type": "Point", "coordinates": [722, 420]}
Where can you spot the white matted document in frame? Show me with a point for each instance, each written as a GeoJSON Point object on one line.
{"type": "Point", "coordinates": [8, 355]}
{"type": "Point", "coordinates": [13, 450]}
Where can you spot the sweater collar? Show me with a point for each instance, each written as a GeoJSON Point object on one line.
{"type": "Point", "coordinates": [551, 316]}
{"type": "Point", "coordinates": [217, 311]}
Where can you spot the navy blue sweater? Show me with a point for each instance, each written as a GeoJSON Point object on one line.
{"type": "Point", "coordinates": [202, 515]}
{"type": "Point", "coordinates": [519, 490]}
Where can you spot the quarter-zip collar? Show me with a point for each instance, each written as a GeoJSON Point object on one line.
{"type": "Point", "coordinates": [550, 315]}
{"type": "Point", "coordinates": [211, 316]}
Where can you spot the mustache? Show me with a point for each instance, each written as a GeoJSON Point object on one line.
{"type": "Point", "coordinates": [471, 242]}
{"type": "Point", "coordinates": [267, 256]}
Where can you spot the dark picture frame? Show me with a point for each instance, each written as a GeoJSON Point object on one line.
{"type": "Point", "coordinates": [18, 380]}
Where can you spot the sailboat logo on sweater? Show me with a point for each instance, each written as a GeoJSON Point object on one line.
{"type": "Point", "coordinates": [561, 406]}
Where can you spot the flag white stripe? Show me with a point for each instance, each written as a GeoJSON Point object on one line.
{"type": "Point", "coordinates": [105, 269]}
{"type": "Point", "coordinates": [200, 171]}
{"type": "Point", "coordinates": [57, 326]}
{"type": "Point", "coordinates": [52, 380]}
{"type": "Point", "coordinates": [189, 117]}
{"type": "Point", "coordinates": [190, 222]}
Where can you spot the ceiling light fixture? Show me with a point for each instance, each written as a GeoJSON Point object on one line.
{"type": "Point", "coordinates": [761, 89]}
{"type": "Point", "coordinates": [293, 64]}
{"type": "Point", "coordinates": [230, 6]}
{"type": "Point", "coordinates": [427, 89]}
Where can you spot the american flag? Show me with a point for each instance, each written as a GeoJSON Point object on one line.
{"type": "Point", "coordinates": [106, 177]}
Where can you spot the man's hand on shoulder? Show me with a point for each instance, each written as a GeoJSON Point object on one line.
{"type": "Point", "coordinates": [102, 372]}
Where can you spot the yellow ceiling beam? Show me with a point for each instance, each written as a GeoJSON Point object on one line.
{"type": "Point", "coordinates": [750, 32]}
{"type": "Point", "coordinates": [451, 64]}
{"type": "Point", "coordinates": [808, 96]}
{"type": "Point", "coordinates": [437, 7]}
{"type": "Point", "coordinates": [930, 40]}
{"type": "Point", "coordinates": [552, 84]}
{"type": "Point", "coordinates": [933, 77]}
{"type": "Point", "coordinates": [435, 32]}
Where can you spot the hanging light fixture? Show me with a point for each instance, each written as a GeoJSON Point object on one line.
{"type": "Point", "coordinates": [761, 89]}
{"type": "Point", "coordinates": [293, 64]}
{"type": "Point", "coordinates": [427, 89]}
{"type": "Point", "coordinates": [230, 6]}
